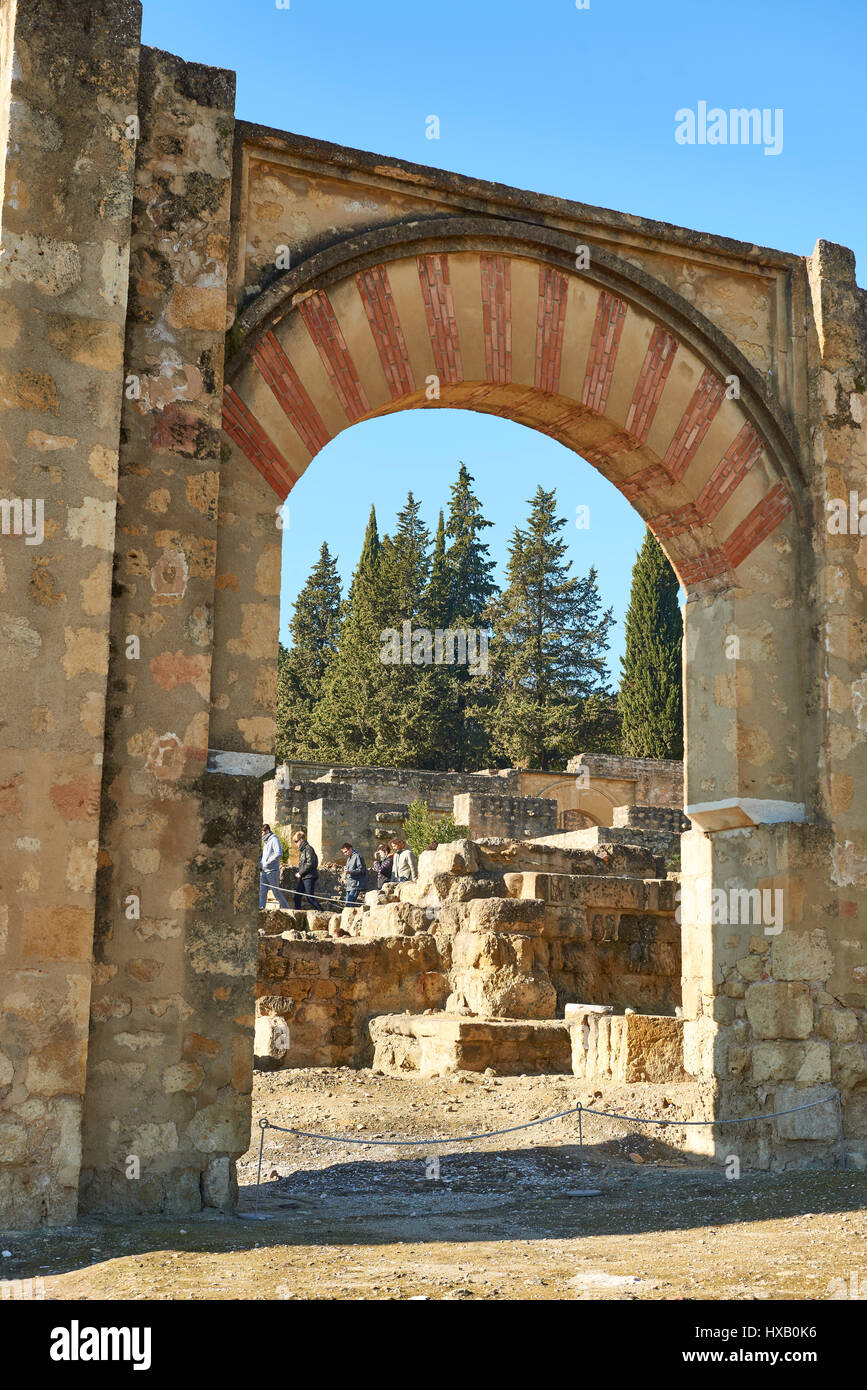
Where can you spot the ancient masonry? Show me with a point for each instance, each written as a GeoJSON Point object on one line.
{"type": "Point", "coordinates": [163, 384]}
{"type": "Point", "coordinates": [477, 963]}
{"type": "Point", "coordinates": [367, 805]}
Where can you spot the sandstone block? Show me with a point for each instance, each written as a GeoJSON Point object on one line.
{"type": "Point", "coordinates": [819, 1122]}
{"type": "Point", "coordinates": [849, 1064]}
{"type": "Point", "coordinates": [840, 1025]}
{"type": "Point", "coordinates": [780, 1009]}
{"type": "Point", "coordinates": [801, 955]}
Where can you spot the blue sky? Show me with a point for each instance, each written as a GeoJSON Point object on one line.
{"type": "Point", "coordinates": [576, 103]}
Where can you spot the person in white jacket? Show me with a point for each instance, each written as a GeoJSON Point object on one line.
{"type": "Point", "coordinates": [404, 868]}
{"type": "Point", "coordinates": [269, 873]}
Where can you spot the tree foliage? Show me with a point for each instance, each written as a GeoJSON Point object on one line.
{"type": "Point", "coordinates": [651, 694]}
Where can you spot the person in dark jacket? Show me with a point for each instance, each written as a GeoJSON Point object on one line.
{"type": "Point", "coordinates": [383, 862]}
{"type": "Point", "coordinates": [354, 875]}
{"type": "Point", "coordinates": [306, 873]}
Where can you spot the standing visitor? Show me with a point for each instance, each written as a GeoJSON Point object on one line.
{"type": "Point", "coordinates": [354, 874]}
{"type": "Point", "coordinates": [306, 873]}
{"type": "Point", "coordinates": [269, 874]}
{"type": "Point", "coordinates": [404, 868]}
{"type": "Point", "coordinates": [383, 864]}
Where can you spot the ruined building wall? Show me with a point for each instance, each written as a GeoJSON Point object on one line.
{"type": "Point", "coordinates": [169, 1068]}
{"type": "Point", "coordinates": [63, 292]}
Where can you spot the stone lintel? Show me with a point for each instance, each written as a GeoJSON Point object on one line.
{"type": "Point", "coordinates": [735, 813]}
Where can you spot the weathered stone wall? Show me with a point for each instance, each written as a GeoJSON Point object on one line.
{"type": "Point", "coordinates": [610, 940]}
{"type": "Point", "coordinates": [365, 824]}
{"type": "Point", "coordinates": [512, 817]}
{"type": "Point", "coordinates": [329, 990]}
{"type": "Point", "coordinates": [512, 803]}
{"type": "Point", "coordinates": [169, 1066]}
{"type": "Point", "coordinates": [68, 171]}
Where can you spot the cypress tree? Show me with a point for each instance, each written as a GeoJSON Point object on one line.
{"type": "Point", "coordinates": [303, 666]}
{"type": "Point", "coordinates": [548, 653]}
{"type": "Point", "coordinates": [651, 694]}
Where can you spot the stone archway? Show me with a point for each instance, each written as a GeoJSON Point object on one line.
{"type": "Point", "coordinates": [144, 630]}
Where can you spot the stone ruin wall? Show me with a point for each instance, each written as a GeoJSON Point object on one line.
{"type": "Point", "coordinates": [366, 804]}
{"type": "Point", "coordinates": [607, 935]}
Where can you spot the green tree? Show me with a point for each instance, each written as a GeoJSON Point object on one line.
{"type": "Point", "coordinates": [472, 589]}
{"type": "Point", "coordinates": [548, 652]}
{"type": "Point", "coordinates": [651, 693]}
{"type": "Point", "coordinates": [346, 718]}
{"type": "Point", "coordinates": [437, 604]}
{"type": "Point", "coordinates": [404, 565]}
{"type": "Point", "coordinates": [304, 665]}
{"type": "Point", "coordinates": [472, 584]}
{"type": "Point", "coordinates": [422, 828]}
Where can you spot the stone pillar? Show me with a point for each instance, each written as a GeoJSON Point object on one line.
{"type": "Point", "coordinates": [775, 904]}
{"type": "Point", "coordinates": [169, 1067]}
{"type": "Point", "coordinates": [69, 75]}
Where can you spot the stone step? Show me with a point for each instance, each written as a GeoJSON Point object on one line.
{"type": "Point", "coordinates": [435, 1044]}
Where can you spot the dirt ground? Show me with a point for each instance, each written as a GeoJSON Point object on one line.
{"type": "Point", "coordinates": [499, 1218]}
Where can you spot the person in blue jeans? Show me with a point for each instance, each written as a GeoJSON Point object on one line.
{"type": "Point", "coordinates": [354, 874]}
{"type": "Point", "coordinates": [269, 870]}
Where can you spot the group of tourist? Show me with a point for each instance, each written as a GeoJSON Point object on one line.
{"type": "Point", "coordinates": [395, 863]}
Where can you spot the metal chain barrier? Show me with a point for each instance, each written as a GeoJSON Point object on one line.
{"type": "Point", "coordinates": [579, 1110]}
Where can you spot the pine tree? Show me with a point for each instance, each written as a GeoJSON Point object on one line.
{"type": "Point", "coordinates": [346, 719]}
{"type": "Point", "coordinates": [303, 666]}
{"type": "Point", "coordinates": [437, 603]}
{"type": "Point", "coordinates": [471, 568]}
{"type": "Point", "coordinates": [651, 695]}
{"type": "Point", "coordinates": [548, 653]}
{"type": "Point", "coordinates": [405, 564]}
{"type": "Point", "coordinates": [472, 589]}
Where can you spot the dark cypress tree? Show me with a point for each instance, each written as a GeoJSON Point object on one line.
{"type": "Point", "coordinates": [303, 666]}
{"type": "Point", "coordinates": [548, 653]}
{"type": "Point", "coordinates": [651, 692]}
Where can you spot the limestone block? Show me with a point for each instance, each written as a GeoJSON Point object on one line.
{"type": "Point", "coordinates": [801, 955]}
{"type": "Point", "coordinates": [751, 968]}
{"type": "Point", "coordinates": [805, 1063]}
{"type": "Point", "coordinates": [653, 1048]}
{"type": "Point", "coordinates": [395, 919]}
{"type": "Point", "coordinates": [524, 915]}
{"type": "Point", "coordinates": [271, 1038]}
{"type": "Point", "coordinates": [699, 1038]}
{"type": "Point", "coordinates": [219, 1183]}
{"type": "Point", "coordinates": [840, 1025]}
{"type": "Point", "coordinates": [780, 1009]}
{"type": "Point", "coordinates": [819, 1122]}
{"type": "Point", "coordinates": [458, 857]}
{"type": "Point", "coordinates": [849, 1064]}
